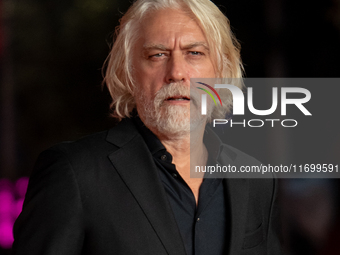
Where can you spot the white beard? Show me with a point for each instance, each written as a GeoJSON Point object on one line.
{"type": "Point", "coordinates": [172, 120]}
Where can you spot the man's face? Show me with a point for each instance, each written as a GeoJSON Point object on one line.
{"type": "Point", "coordinates": [171, 50]}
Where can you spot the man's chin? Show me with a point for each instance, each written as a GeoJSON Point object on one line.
{"type": "Point", "coordinates": [174, 120]}
{"type": "Point", "coordinates": [174, 124]}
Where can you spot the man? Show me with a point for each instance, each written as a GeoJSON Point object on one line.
{"type": "Point", "coordinates": [128, 190]}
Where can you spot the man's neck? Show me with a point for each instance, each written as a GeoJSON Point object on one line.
{"type": "Point", "coordinates": [185, 148]}
{"type": "Point", "coordinates": [187, 151]}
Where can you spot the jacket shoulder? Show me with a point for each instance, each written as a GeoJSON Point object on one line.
{"type": "Point", "coordinates": [99, 143]}
{"type": "Point", "coordinates": [89, 144]}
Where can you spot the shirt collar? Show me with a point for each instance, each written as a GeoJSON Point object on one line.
{"type": "Point", "coordinates": [210, 139]}
{"type": "Point", "coordinates": [151, 140]}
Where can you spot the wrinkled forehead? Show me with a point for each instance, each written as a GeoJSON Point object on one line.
{"type": "Point", "coordinates": [170, 26]}
{"type": "Point", "coordinates": [169, 20]}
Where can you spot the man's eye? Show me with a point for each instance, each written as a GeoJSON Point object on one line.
{"type": "Point", "coordinates": [195, 53]}
{"type": "Point", "coordinates": [158, 55]}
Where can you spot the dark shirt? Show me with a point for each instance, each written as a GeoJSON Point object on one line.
{"type": "Point", "coordinates": [203, 227]}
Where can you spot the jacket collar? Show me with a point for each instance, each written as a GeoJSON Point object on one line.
{"type": "Point", "coordinates": [122, 133]}
{"type": "Point", "coordinates": [136, 167]}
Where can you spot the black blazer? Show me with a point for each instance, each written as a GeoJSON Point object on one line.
{"type": "Point", "coordinates": [102, 195]}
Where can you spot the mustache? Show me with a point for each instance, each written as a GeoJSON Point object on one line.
{"type": "Point", "coordinates": [177, 89]}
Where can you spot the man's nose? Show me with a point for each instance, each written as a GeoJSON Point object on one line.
{"type": "Point", "coordinates": [176, 69]}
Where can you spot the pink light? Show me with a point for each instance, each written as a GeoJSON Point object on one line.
{"type": "Point", "coordinates": [21, 186]}
{"type": "Point", "coordinates": [11, 201]}
{"type": "Point", "coordinates": [17, 208]}
{"type": "Point", "coordinates": [6, 235]}
{"type": "Point", "coordinates": [6, 202]}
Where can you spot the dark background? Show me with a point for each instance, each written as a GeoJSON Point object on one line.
{"type": "Point", "coordinates": [51, 58]}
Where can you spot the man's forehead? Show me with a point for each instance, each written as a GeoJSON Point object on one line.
{"type": "Point", "coordinates": [164, 28]}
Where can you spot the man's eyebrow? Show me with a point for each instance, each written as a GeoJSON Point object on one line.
{"type": "Point", "coordinates": [147, 47]}
{"type": "Point", "coordinates": [196, 44]}
{"type": "Point", "coordinates": [162, 47]}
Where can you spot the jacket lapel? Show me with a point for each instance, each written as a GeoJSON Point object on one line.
{"type": "Point", "coordinates": [237, 195]}
{"type": "Point", "coordinates": [136, 167]}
